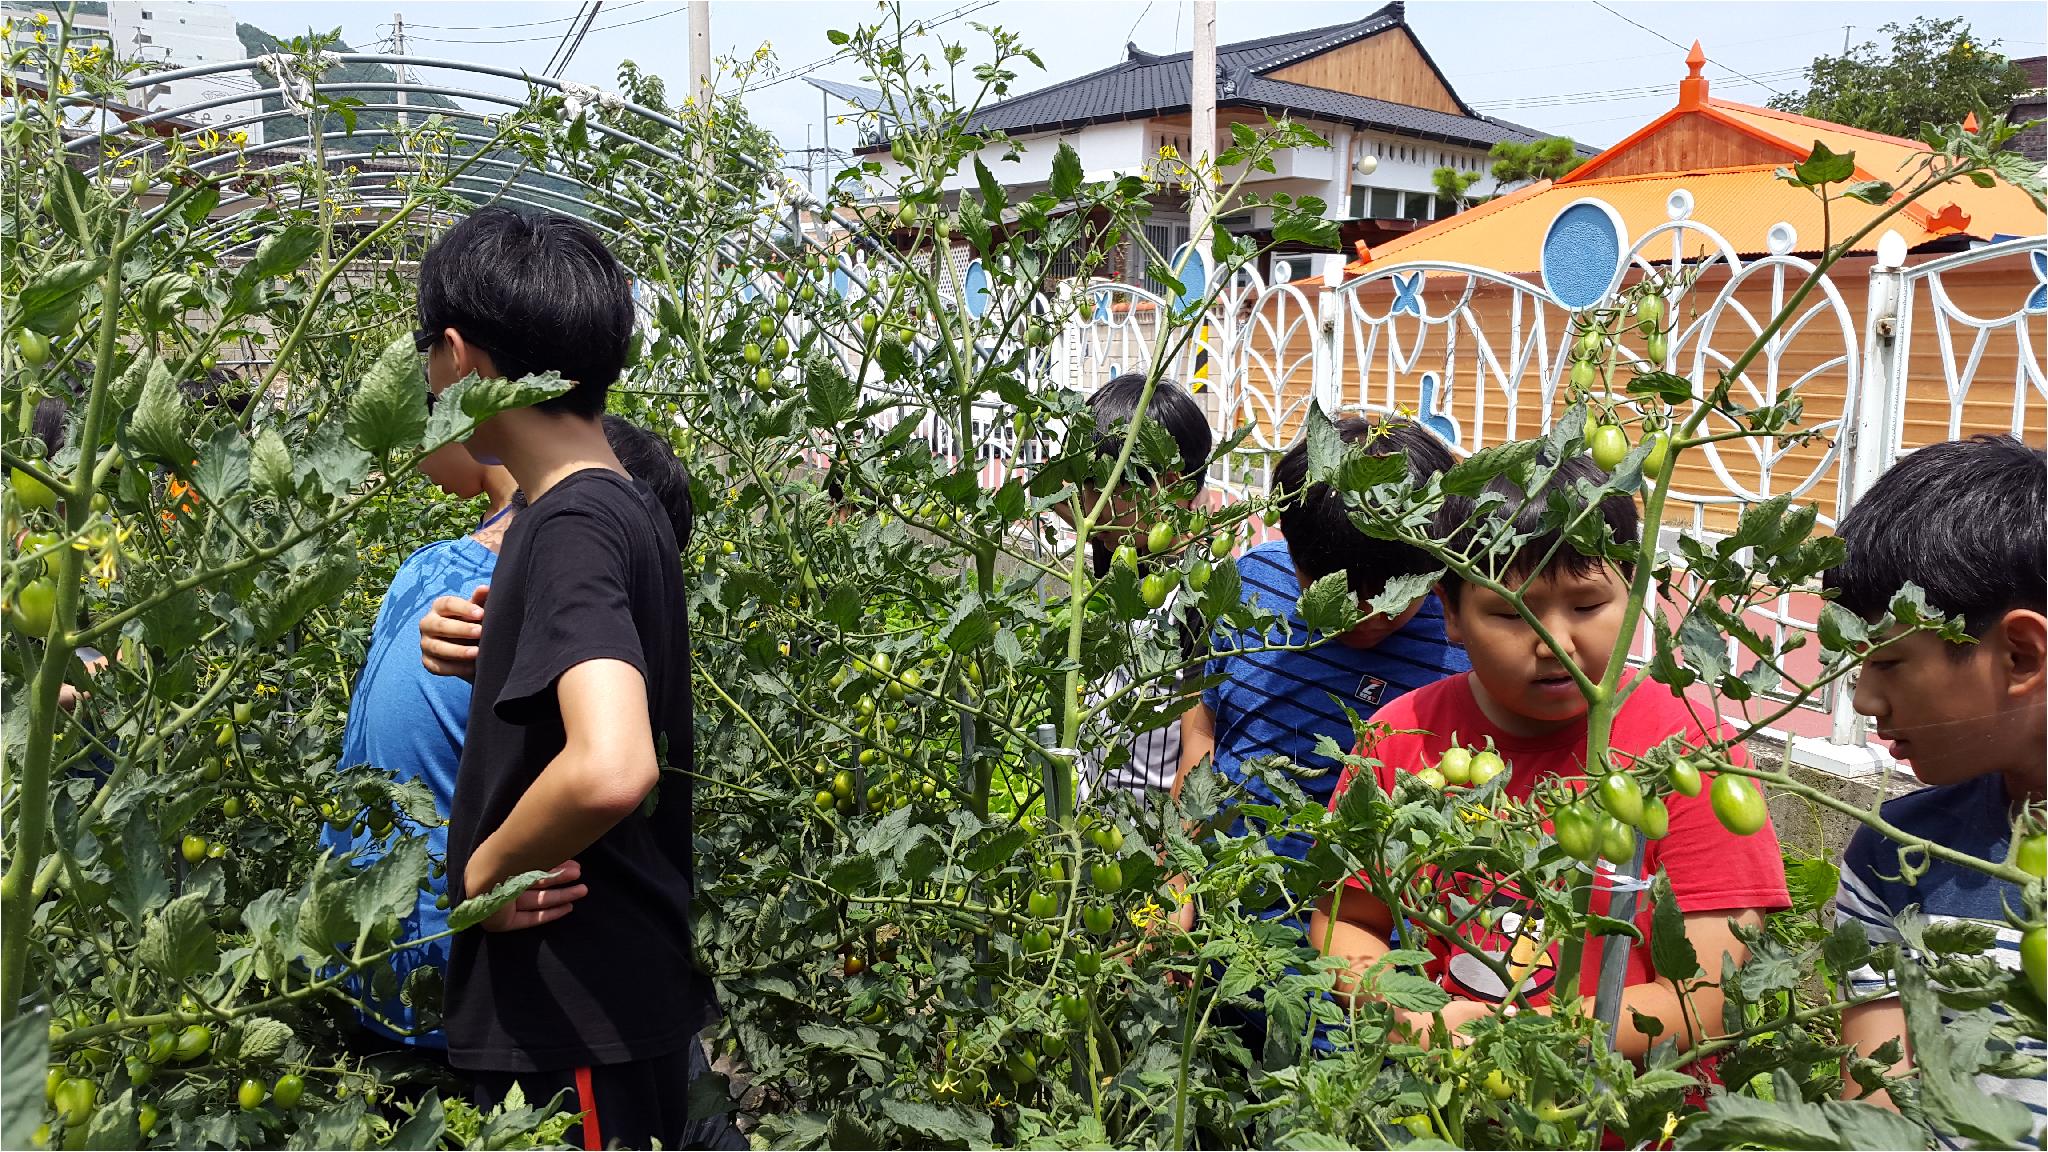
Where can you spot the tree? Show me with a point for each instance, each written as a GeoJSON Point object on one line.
{"type": "Point", "coordinates": [1933, 72]}
{"type": "Point", "coordinates": [1515, 162]}
{"type": "Point", "coordinates": [1452, 183]}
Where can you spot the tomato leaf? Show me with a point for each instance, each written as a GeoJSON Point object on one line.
{"type": "Point", "coordinates": [391, 886]}
{"type": "Point", "coordinates": [270, 464]}
{"type": "Point", "coordinates": [422, 1132]}
{"type": "Point", "coordinates": [49, 298]}
{"type": "Point", "coordinates": [1670, 949]}
{"type": "Point", "coordinates": [1824, 166]}
{"type": "Point", "coordinates": [24, 1051]}
{"type": "Point", "coordinates": [223, 468]}
{"type": "Point", "coordinates": [1409, 991]}
{"type": "Point", "coordinates": [257, 1039]}
{"type": "Point", "coordinates": [1402, 592]}
{"type": "Point", "coordinates": [472, 400]}
{"type": "Point", "coordinates": [945, 1121]}
{"type": "Point", "coordinates": [284, 252]}
{"type": "Point", "coordinates": [477, 909]}
{"type": "Point", "coordinates": [156, 429]}
{"type": "Point", "coordinates": [389, 408]}
{"type": "Point", "coordinates": [1329, 606]}
{"type": "Point", "coordinates": [1066, 172]}
{"type": "Point", "coordinates": [179, 942]}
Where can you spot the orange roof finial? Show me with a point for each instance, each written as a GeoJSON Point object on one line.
{"type": "Point", "coordinates": [1357, 267]}
{"type": "Point", "coordinates": [1970, 123]}
{"type": "Point", "coordinates": [1692, 91]}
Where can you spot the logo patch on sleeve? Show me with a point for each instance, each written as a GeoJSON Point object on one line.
{"type": "Point", "coordinates": [1372, 690]}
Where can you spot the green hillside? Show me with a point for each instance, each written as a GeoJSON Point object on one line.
{"type": "Point", "coordinates": [257, 42]}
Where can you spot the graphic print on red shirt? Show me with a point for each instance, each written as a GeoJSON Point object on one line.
{"type": "Point", "coordinates": [1711, 868]}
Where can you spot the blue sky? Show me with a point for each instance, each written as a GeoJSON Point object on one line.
{"type": "Point", "coordinates": [1590, 69]}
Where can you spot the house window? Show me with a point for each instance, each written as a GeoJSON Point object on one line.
{"type": "Point", "coordinates": [146, 15]}
{"type": "Point", "coordinates": [1165, 239]}
{"type": "Point", "coordinates": [1445, 207]}
{"type": "Point", "coordinates": [1385, 204]}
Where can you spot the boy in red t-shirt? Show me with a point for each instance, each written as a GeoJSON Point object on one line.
{"type": "Point", "coordinates": [1519, 695]}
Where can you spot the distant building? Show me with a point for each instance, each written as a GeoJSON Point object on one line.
{"type": "Point", "coordinates": [2032, 105]}
{"type": "Point", "coordinates": [177, 35]}
{"type": "Point", "coordinates": [1368, 87]}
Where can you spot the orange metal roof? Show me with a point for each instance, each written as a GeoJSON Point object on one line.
{"type": "Point", "coordinates": [1740, 202]}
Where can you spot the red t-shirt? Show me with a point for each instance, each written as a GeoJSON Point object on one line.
{"type": "Point", "coordinates": [1711, 868]}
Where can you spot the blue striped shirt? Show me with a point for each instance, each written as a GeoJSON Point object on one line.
{"type": "Point", "coordinates": [1277, 703]}
{"type": "Point", "coordinates": [1974, 817]}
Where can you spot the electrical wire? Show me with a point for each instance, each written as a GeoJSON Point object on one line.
{"type": "Point", "coordinates": [525, 24]}
{"type": "Point", "coordinates": [1563, 99]}
{"type": "Point", "coordinates": [572, 38]}
{"type": "Point", "coordinates": [1683, 47]}
{"type": "Point", "coordinates": [543, 39]}
{"type": "Point", "coordinates": [813, 66]}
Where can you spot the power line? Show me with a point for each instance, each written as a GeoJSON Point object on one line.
{"type": "Point", "coordinates": [813, 66]}
{"type": "Point", "coordinates": [540, 39]}
{"type": "Point", "coordinates": [525, 24]}
{"type": "Point", "coordinates": [1682, 47]}
{"type": "Point", "coordinates": [568, 47]}
{"type": "Point", "coordinates": [1595, 97]}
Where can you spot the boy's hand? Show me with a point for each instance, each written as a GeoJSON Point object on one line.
{"type": "Point", "coordinates": [551, 898]}
{"type": "Point", "coordinates": [449, 633]}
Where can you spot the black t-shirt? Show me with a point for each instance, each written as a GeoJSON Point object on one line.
{"type": "Point", "coordinates": [589, 572]}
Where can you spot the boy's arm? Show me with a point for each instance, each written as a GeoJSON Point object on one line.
{"type": "Point", "coordinates": [1197, 742]}
{"type": "Point", "coordinates": [1865, 1028]}
{"type": "Point", "coordinates": [605, 770]}
{"type": "Point", "coordinates": [1351, 925]}
{"type": "Point", "coordinates": [1696, 1016]}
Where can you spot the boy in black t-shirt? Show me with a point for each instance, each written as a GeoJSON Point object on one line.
{"type": "Point", "coordinates": [582, 676]}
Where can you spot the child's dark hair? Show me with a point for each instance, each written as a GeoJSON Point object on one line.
{"type": "Point", "coordinates": [1173, 408]}
{"type": "Point", "coordinates": [1617, 509]}
{"type": "Point", "coordinates": [1321, 538]}
{"type": "Point", "coordinates": [1963, 520]}
{"type": "Point", "coordinates": [651, 460]}
{"type": "Point", "coordinates": [537, 291]}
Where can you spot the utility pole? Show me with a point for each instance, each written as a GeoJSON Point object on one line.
{"type": "Point", "coordinates": [1202, 148]}
{"type": "Point", "coordinates": [1846, 29]}
{"type": "Point", "coordinates": [398, 70]}
{"type": "Point", "coordinates": [700, 52]}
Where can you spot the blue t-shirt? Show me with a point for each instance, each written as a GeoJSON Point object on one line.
{"type": "Point", "coordinates": [1974, 816]}
{"type": "Point", "coordinates": [407, 721]}
{"type": "Point", "coordinates": [1277, 703]}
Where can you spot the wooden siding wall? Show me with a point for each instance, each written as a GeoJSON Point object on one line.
{"type": "Point", "coordinates": [1387, 66]}
{"type": "Point", "coordinates": [1693, 143]}
{"type": "Point", "coordinates": [1987, 291]}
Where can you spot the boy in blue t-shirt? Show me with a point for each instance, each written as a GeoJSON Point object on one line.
{"type": "Point", "coordinates": [1963, 520]}
{"type": "Point", "coordinates": [1275, 703]}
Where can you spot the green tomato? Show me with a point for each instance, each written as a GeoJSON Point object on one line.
{"type": "Point", "coordinates": [751, 353]}
{"type": "Point", "coordinates": [140, 1071]}
{"type": "Point", "coordinates": [1198, 575]}
{"type": "Point", "coordinates": [1108, 877]}
{"type": "Point", "coordinates": [1037, 940]}
{"type": "Point", "coordinates": [1044, 905]}
{"type": "Point", "coordinates": [1656, 348]}
{"type": "Point", "coordinates": [2031, 856]}
{"type": "Point", "coordinates": [1099, 919]}
{"type": "Point", "coordinates": [35, 608]}
{"type": "Point", "coordinates": [193, 849]}
{"type": "Point", "coordinates": [1685, 777]}
{"type": "Point", "coordinates": [1737, 804]}
{"type": "Point", "coordinates": [1658, 456]}
{"type": "Point", "coordinates": [842, 785]}
{"type": "Point", "coordinates": [287, 1090]}
{"type": "Point", "coordinates": [1486, 764]}
{"type": "Point", "coordinates": [34, 346]}
{"type": "Point", "coordinates": [1433, 778]}
{"type": "Point", "coordinates": [764, 380]}
{"type": "Point", "coordinates": [1649, 314]}
{"type": "Point", "coordinates": [1622, 798]}
{"type": "Point", "coordinates": [1154, 589]}
{"type": "Point", "coordinates": [145, 1118]}
{"type": "Point", "coordinates": [2034, 959]}
{"type": "Point", "coordinates": [32, 493]}
{"type": "Point", "coordinates": [162, 1045]}
{"type": "Point", "coordinates": [868, 324]}
{"type": "Point", "coordinates": [244, 711]}
{"type": "Point", "coordinates": [764, 325]}
{"type": "Point", "coordinates": [1418, 1126]}
{"type": "Point", "coordinates": [250, 1095]}
{"type": "Point", "coordinates": [1577, 834]}
{"type": "Point", "coordinates": [77, 1097]}
{"type": "Point", "coordinates": [1455, 766]}
{"type": "Point", "coordinates": [1591, 341]}
{"type": "Point", "coordinates": [1656, 821]}
{"type": "Point", "coordinates": [231, 807]}
{"type": "Point", "coordinates": [1159, 539]}
{"type": "Point", "coordinates": [1617, 841]}
{"type": "Point", "coordinates": [53, 1080]}
{"type": "Point", "coordinates": [1074, 1010]}
{"type": "Point", "coordinates": [1022, 1066]}
{"type": "Point", "coordinates": [1610, 446]}
{"type": "Point", "coordinates": [1086, 963]}
{"type": "Point", "coordinates": [1585, 375]}
{"type": "Point", "coordinates": [1125, 557]}
{"type": "Point", "coordinates": [1053, 1045]}
{"type": "Point", "coordinates": [1497, 1085]}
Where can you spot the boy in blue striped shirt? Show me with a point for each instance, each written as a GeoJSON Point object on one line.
{"type": "Point", "coordinates": [1275, 703]}
{"type": "Point", "coordinates": [1964, 521]}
